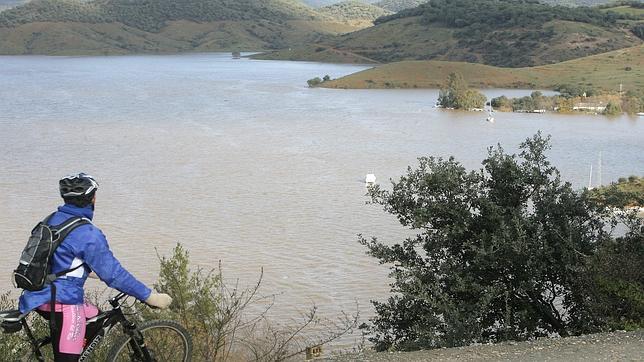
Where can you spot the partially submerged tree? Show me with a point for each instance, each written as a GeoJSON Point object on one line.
{"type": "Point", "coordinates": [455, 94]}
{"type": "Point", "coordinates": [504, 252]}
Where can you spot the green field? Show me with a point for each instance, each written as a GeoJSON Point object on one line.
{"type": "Point", "coordinates": [606, 71]}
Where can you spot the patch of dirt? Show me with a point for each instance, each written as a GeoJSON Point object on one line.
{"type": "Point", "coordinates": [615, 346]}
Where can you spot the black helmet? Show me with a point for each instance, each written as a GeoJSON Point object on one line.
{"type": "Point", "coordinates": [78, 189]}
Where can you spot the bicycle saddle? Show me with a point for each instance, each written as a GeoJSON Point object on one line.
{"type": "Point", "coordinates": [10, 320]}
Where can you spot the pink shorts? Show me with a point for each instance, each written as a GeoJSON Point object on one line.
{"type": "Point", "coordinates": [72, 331]}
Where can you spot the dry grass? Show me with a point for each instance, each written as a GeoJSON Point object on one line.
{"type": "Point", "coordinates": [322, 53]}
{"type": "Point", "coordinates": [177, 36]}
{"type": "Point", "coordinates": [604, 71]}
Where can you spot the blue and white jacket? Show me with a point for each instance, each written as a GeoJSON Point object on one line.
{"type": "Point", "coordinates": [85, 244]}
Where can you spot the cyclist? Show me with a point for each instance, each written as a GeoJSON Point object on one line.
{"type": "Point", "coordinates": [87, 247]}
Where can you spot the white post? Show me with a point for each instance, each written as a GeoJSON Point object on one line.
{"type": "Point", "coordinates": [600, 169]}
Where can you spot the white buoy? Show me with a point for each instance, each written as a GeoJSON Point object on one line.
{"type": "Point", "coordinates": [370, 179]}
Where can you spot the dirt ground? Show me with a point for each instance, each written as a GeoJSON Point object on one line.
{"type": "Point", "coordinates": [616, 346]}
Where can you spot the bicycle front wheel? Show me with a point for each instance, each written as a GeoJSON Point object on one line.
{"type": "Point", "coordinates": [165, 341]}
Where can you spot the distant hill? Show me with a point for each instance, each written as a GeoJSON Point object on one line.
{"type": "Point", "coordinates": [398, 5]}
{"type": "Point", "coordinates": [152, 15]}
{"type": "Point", "coordinates": [160, 26]}
{"type": "Point", "coordinates": [405, 4]}
{"type": "Point", "coordinates": [354, 11]}
{"type": "Point", "coordinates": [577, 2]}
{"type": "Point", "coordinates": [391, 5]}
{"type": "Point", "coordinates": [510, 33]}
{"type": "Point", "coordinates": [322, 3]}
{"type": "Point", "coordinates": [8, 4]}
{"type": "Point", "coordinates": [606, 71]}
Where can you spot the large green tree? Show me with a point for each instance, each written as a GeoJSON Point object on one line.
{"type": "Point", "coordinates": [456, 94]}
{"type": "Point", "coordinates": [505, 252]}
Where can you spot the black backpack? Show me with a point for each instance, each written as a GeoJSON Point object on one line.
{"type": "Point", "coordinates": [34, 270]}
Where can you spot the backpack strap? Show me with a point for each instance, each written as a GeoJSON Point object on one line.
{"type": "Point", "coordinates": [62, 230]}
{"type": "Point", "coordinates": [46, 220]}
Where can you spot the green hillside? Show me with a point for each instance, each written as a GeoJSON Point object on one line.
{"type": "Point", "coordinates": [577, 2]}
{"type": "Point", "coordinates": [161, 26]}
{"type": "Point", "coordinates": [354, 11]}
{"type": "Point", "coordinates": [510, 33]}
{"type": "Point", "coordinates": [153, 15]}
{"type": "Point", "coordinates": [398, 5]}
{"type": "Point", "coordinates": [604, 71]}
{"type": "Point", "coordinates": [322, 3]}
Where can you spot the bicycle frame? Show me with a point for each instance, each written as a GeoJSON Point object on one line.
{"type": "Point", "coordinates": [107, 320]}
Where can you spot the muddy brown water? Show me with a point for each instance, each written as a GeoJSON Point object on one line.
{"type": "Point", "coordinates": [242, 163]}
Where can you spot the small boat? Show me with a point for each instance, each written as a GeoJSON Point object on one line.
{"type": "Point", "coordinates": [370, 179]}
{"type": "Point", "coordinates": [641, 114]}
{"type": "Point", "coordinates": [490, 113]}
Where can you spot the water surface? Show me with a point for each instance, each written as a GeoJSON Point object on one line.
{"type": "Point", "coordinates": [241, 162]}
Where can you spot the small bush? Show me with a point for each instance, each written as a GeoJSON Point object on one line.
{"type": "Point", "coordinates": [613, 109]}
{"type": "Point", "coordinates": [314, 82]}
{"type": "Point", "coordinates": [219, 318]}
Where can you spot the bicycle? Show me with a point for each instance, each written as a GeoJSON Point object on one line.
{"type": "Point", "coordinates": [151, 341]}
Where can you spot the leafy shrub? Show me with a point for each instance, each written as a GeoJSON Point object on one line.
{"type": "Point", "coordinates": [220, 320]}
{"type": "Point", "coordinates": [618, 280]}
{"type": "Point", "coordinates": [638, 29]}
{"type": "Point", "coordinates": [314, 82]}
{"type": "Point", "coordinates": [572, 90]}
{"type": "Point", "coordinates": [507, 252]}
{"type": "Point", "coordinates": [613, 109]}
{"type": "Point", "coordinates": [455, 94]}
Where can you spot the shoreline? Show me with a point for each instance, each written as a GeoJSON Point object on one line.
{"type": "Point", "coordinates": [605, 71]}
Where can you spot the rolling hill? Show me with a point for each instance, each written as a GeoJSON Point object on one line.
{"type": "Point", "coordinates": [606, 71]}
{"type": "Point", "coordinates": [398, 5]}
{"type": "Point", "coordinates": [153, 15]}
{"type": "Point", "coordinates": [354, 12]}
{"type": "Point", "coordinates": [161, 26]}
{"type": "Point", "coordinates": [509, 33]}
{"type": "Point", "coordinates": [405, 4]}
{"type": "Point", "coordinates": [322, 3]}
{"type": "Point", "coordinates": [577, 2]}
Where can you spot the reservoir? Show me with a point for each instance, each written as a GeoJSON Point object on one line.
{"type": "Point", "coordinates": [242, 163]}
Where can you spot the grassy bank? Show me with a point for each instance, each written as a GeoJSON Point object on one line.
{"type": "Point", "coordinates": [606, 71]}
{"type": "Point", "coordinates": [324, 54]}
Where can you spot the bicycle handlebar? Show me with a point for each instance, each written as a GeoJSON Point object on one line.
{"type": "Point", "coordinates": [115, 301]}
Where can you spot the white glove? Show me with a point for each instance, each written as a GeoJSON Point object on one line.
{"type": "Point", "coordinates": [159, 300]}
